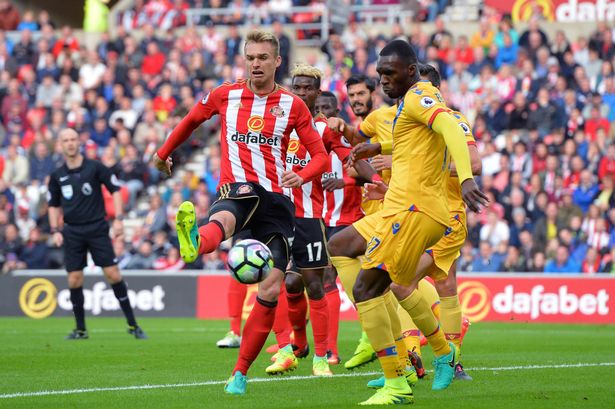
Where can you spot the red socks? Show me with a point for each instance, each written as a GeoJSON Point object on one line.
{"type": "Point", "coordinates": [212, 234]}
{"type": "Point", "coordinates": [235, 297]}
{"type": "Point", "coordinates": [297, 310]}
{"type": "Point", "coordinates": [255, 333]}
{"type": "Point", "coordinates": [319, 315]}
{"type": "Point", "coordinates": [281, 325]}
{"type": "Point", "coordinates": [333, 302]}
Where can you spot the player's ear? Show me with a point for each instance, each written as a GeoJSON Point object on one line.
{"type": "Point", "coordinates": [278, 61]}
{"type": "Point", "coordinates": [412, 70]}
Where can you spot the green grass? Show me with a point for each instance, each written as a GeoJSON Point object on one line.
{"type": "Point", "coordinates": [36, 358]}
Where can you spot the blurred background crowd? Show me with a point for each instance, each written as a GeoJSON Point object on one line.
{"type": "Point", "coordinates": [541, 107]}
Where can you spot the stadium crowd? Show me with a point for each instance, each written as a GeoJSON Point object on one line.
{"type": "Point", "coordinates": [541, 110]}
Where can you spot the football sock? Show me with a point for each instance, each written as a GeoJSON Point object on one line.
{"type": "Point", "coordinates": [236, 296]}
{"type": "Point", "coordinates": [297, 311]}
{"type": "Point", "coordinates": [392, 305]}
{"type": "Point", "coordinates": [319, 316]}
{"type": "Point", "coordinates": [377, 325]}
{"type": "Point", "coordinates": [77, 299]}
{"type": "Point", "coordinates": [212, 234]}
{"type": "Point", "coordinates": [334, 302]}
{"type": "Point", "coordinates": [281, 325]}
{"type": "Point", "coordinates": [430, 293]}
{"type": "Point", "coordinates": [424, 318]}
{"type": "Point", "coordinates": [255, 333]}
{"type": "Point", "coordinates": [121, 293]}
{"type": "Point", "coordinates": [451, 319]}
{"type": "Point", "coordinates": [348, 271]}
{"type": "Point", "coordinates": [410, 332]}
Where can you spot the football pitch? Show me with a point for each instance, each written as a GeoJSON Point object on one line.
{"type": "Point", "coordinates": [514, 366]}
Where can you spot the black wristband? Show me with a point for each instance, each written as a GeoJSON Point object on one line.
{"type": "Point", "coordinates": [55, 230]}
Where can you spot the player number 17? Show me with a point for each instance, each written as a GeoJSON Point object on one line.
{"type": "Point", "coordinates": [312, 248]}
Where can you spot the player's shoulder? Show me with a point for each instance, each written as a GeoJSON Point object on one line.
{"type": "Point", "coordinates": [422, 94]}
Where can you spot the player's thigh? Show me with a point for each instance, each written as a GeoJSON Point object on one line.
{"type": "Point", "coordinates": [370, 283]}
{"type": "Point", "coordinates": [309, 248]}
{"type": "Point", "coordinates": [242, 200]}
{"type": "Point", "coordinates": [100, 246]}
{"type": "Point", "coordinates": [447, 250]}
{"type": "Point", "coordinates": [352, 240]}
{"type": "Point", "coordinates": [75, 248]}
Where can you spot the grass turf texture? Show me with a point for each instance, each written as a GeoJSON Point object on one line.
{"type": "Point", "coordinates": [35, 357]}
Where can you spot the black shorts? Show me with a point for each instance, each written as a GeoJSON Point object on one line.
{"type": "Point", "coordinates": [259, 214]}
{"type": "Point", "coordinates": [309, 247]}
{"type": "Point", "coordinates": [92, 237]}
{"type": "Point", "coordinates": [332, 230]}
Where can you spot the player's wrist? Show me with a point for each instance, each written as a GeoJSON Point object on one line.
{"type": "Point", "coordinates": [376, 178]}
{"type": "Point", "coordinates": [55, 230]}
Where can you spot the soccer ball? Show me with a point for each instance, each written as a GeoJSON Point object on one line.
{"type": "Point", "coordinates": [250, 261]}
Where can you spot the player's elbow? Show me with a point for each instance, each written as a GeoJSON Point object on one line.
{"type": "Point", "coordinates": [477, 167]}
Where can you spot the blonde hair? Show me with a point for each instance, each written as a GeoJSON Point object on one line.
{"type": "Point", "coordinates": [304, 70]}
{"type": "Point", "coordinates": [261, 36]}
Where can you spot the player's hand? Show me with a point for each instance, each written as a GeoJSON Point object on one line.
{"type": "Point", "coordinates": [472, 196]}
{"type": "Point", "coordinates": [375, 190]}
{"type": "Point", "coordinates": [58, 239]}
{"type": "Point", "coordinates": [117, 229]}
{"type": "Point", "coordinates": [362, 151]}
{"type": "Point", "coordinates": [163, 166]}
{"type": "Point", "coordinates": [382, 162]}
{"type": "Point", "coordinates": [331, 184]}
{"type": "Point", "coordinates": [291, 179]}
{"type": "Point", "coordinates": [336, 124]}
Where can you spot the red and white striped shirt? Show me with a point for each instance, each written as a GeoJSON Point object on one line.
{"type": "Point", "coordinates": [255, 134]}
{"type": "Point", "coordinates": [309, 198]}
{"type": "Point", "coordinates": [342, 206]}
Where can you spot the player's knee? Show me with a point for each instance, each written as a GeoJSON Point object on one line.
{"type": "Point", "coordinates": [330, 276]}
{"type": "Point", "coordinates": [294, 283]}
{"type": "Point", "coordinates": [113, 274]}
{"type": "Point", "coordinates": [447, 287]}
{"type": "Point", "coordinates": [269, 290]}
{"type": "Point", "coordinates": [346, 244]}
{"type": "Point", "coordinates": [402, 292]}
{"type": "Point", "coordinates": [75, 279]}
{"type": "Point", "coordinates": [315, 289]}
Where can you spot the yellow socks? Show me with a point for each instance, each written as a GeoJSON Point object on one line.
{"type": "Point", "coordinates": [451, 319]}
{"type": "Point", "coordinates": [430, 294]}
{"type": "Point", "coordinates": [424, 318]}
{"type": "Point", "coordinates": [411, 334]}
{"type": "Point", "coordinates": [392, 306]}
{"type": "Point", "coordinates": [348, 271]}
{"type": "Point", "coordinates": [376, 323]}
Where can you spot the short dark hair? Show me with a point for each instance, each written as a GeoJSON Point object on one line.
{"type": "Point", "coordinates": [402, 49]}
{"type": "Point", "coordinates": [361, 79]}
{"type": "Point", "coordinates": [429, 71]}
{"type": "Point", "coordinates": [329, 94]}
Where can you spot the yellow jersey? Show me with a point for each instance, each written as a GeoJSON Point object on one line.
{"type": "Point", "coordinates": [455, 200]}
{"type": "Point", "coordinates": [420, 157]}
{"type": "Point", "coordinates": [378, 127]}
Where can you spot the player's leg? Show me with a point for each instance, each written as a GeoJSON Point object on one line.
{"type": "Point", "coordinates": [281, 325]}
{"type": "Point", "coordinates": [451, 316]}
{"type": "Point", "coordinates": [233, 209]}
{"type": "Point", "coordinates": [75, 286]}
{"type": "Point", "coordinates": [319, 317]}
{"type": "Point", "coordinates": [75, 259]}
{"type": "Point", "coordinates": [384, 332]}
{"type": "Point", "coordinates": [297, 309]}
{"type": "Point", "coordinates": [235, 298]}
{"type": "Point", "coordinates": [344, 249]}
{"type": "Point", "coordinates": [333, 301]}
{"type": "Point", "coordinates": [261, 318]}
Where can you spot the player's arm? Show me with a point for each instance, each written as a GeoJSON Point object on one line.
{"type": "Point", "coordinates": [55, 211]}
{"type": "Point", "coordinates": [107, 178]}
{"type": "Point", "coordinates": [475, 161]}
{"type": "Point", "coordinates": [352, 134]}
{"type": "Point", "coordinates": [201, 112]}
{"type": "Point", "coordinates": [455, 140]}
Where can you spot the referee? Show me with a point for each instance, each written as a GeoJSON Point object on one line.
{"type": "Point", "coordinates": [75, 197]}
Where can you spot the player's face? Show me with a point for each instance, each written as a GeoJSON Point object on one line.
{"type": "Point", "coordinates": [306, 88]}
{"type": "Point", "coordinates": [360, 98]}
{"type": "Point", "coordinates": [326, 106]}
{"type": "Point", "coordinates": [261, 62]}
{"type": "Point", "coordinates": [395, 76]}
{"type": "Point", "coordinates": [70, 144]}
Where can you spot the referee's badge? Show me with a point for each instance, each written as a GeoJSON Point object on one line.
{"type": "Point", "coordinates": [67, 192]}
{"type": "Point", "coordinates": [86, 189]}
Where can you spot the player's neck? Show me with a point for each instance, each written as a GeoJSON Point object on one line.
{"type": "Point", "coordinates": [265, 89]}
{"type": "Point", "coordinates": [74, 162]}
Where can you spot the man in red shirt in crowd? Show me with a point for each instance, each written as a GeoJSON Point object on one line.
{"type": "Point", "coordinates": [594, 123]}
{"type": "Point", "coordinates": [607, 163]}
{"type": "Point", "coordinates": [257, 117]}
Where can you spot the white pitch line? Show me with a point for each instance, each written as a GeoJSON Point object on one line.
{"type": "Point", "coordinates": [276, 379]}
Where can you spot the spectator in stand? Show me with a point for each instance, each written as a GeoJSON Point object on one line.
{"type": "Point", "coordinates": [27, 22]}
{"type": "Point", "coordinates": [495, 230]}
{"type": "Point", "coordinates": [608, 265]}
{"type": "Point", "coordinates": [35, 251]}
{"type": "Point", "coordinates": [594, 123]}
{"type": "Point", "coordinates": [153, 61]}
{"type": "Point", "coordinates": [171, 263]}
{"type": "Point", "coordinates": [484, 261]}
{"type": "Point", "coordinates": [484, 37]}
{"type": "Point", "coordinates": [67, 43]}
{"type": "Point", "coordinates": [9, 16]}
{"type": "Point", "coordinates": [41, 163]}
{"type": "Point", "coordinates": [16, 167]}
{"type": "Point", "coordinates": [562, 263]}
{"type": "Point", "coordinates": [144, 259]}
{"type": "Point", "coordinates": [586, 192]}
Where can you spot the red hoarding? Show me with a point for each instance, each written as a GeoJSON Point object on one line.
{"type": "Point", "coordinates": [556, 10]}
{"type": "Point", "coordinates": [508, 298]}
